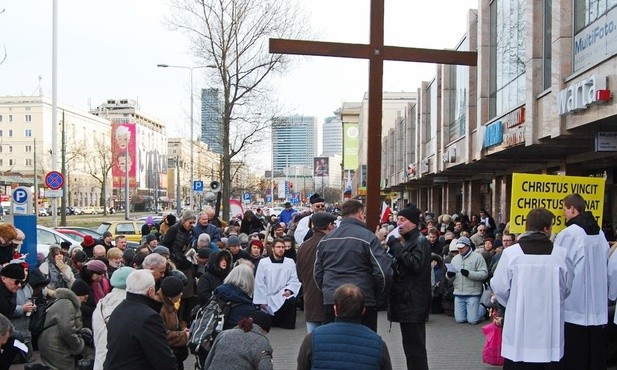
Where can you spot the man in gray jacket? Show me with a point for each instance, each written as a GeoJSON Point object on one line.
{"type": "Point", "coordinates": [353, 254]}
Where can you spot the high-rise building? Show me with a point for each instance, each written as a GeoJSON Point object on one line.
{"type": "Point", "coordinates": [294, 144]}
{"type": "Point", "coordinates": [211, 119]}
{"type": "Point", "coordinates": [332, 137]}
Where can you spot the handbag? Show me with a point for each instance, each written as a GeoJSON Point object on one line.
{"type": "Point", "coordinates": [491, 353]}
{"type": "Point", "coordinates": [485, 299]}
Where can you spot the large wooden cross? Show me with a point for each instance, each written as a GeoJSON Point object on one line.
{"type": "Point", "coordinates": [376, 52]}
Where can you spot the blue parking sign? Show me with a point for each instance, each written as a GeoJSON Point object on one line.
{"type": "Point", "coordinates": [246, 197]}
{"type": "Point", "coordinates": [198, 185]}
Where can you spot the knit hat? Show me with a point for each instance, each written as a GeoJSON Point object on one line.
{"type": "Point", "coordinates": [411, 213]}
{"type": "Point", "coordinates": [233, 240]}
{"type": "Point", "coordinates": [118, 278]}
{"type": "Point", "coordinates": [80, 288]}
{"type": "Point", "coordinates": [180, 275]}
{"type": "Point", "coordinates": [88, 241]}
{"type": "Point", "coordinates": [462, 242]}
{"type": "Point", "coordinates": [97, 267]}
{"type": "Point", "coordinates": [37, 279]}
{"type": "Point", "coordinates": [322, 219]}
{"type": "Point", "coordinates": [80, 256]}
{"type": "Point", "coordinates": [316, 198]}
{"type": "Point", "coordinates": [204, 252]}
{"type": "Point", "coordinates": [257, 243]}
{"type": "Point", "coordinates": [262, 319]}
{"type": "Point", "coordinates": [162, 250]}
{"type": "Point", "coordinates": [171, 286]}
{"type": "Point", "coordinates": [149, 220]}
{"type": "Point", "coordinates": [150, 237]}
{"type": "Point", "coordinates": [13, 271]}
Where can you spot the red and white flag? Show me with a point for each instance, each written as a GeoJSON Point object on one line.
{"type": "Point", "coordinates": [385, 212]}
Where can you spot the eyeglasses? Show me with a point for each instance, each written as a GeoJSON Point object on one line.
{"type": "Point", "coordinates": [18, 282]}
{"type": "Point", "coordinates": [319, 205]}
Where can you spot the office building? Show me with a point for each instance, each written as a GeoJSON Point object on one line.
{"type": "Point", "coordinates": [211, 120]}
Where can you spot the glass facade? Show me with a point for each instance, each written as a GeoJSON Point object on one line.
{"type": "Point", "coordinates": [587, 11]}
{"type": "Point", "coordinates": [211, 120]}
{"type": "Point", "coordinates": [507, 56]}
{"type": "Point", "coordinates": [293, 142]}
{"type": "Point", "coordinates": [547, 54]}
{"type": "Point", "coordinates": [459, 94]}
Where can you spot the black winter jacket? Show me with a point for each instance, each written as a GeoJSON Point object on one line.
{"type": "Point", "coordinates": [410, 296]}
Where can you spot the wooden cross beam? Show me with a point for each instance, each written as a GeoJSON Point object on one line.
{"type": "Point", "coordinates": [376, 52]}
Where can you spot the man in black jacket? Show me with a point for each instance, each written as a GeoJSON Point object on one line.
{"type": "Point", "coordinates": [136, 336]}
{"type": "Point", "coordinates": [411, 290]}
{"type": "Point", "coordinates": [353, 254]}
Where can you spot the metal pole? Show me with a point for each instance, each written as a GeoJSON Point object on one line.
{"type": "Point", "coordinates": [272, 181]}
{"type": "Point", "coordinates": [286, 177]}
{"type": "Point", "coordinates": [64, 186]}
{"type": "Point", "coordinates": [126, 181]}
{"type": "Point", "coordinates": [178, 204]}
{"type": "Point", "coordinates": [54, 104]}
{"type": "Point", "coordinates": [192, 138]}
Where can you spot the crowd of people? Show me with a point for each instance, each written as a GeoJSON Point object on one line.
{"type": "Point", "coordinates": [104, 305]}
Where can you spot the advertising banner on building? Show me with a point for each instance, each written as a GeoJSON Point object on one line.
{"type": "Point", "coordinates": [321, 166]}
{"type": "Point", "coordinates": [351, 146]}
{"type": "Point", "coordinates": [596, 42]}
{"type": "Point", "coordinates": [123, 151]}
{"type": "Point", "coordinates": [531, 191]}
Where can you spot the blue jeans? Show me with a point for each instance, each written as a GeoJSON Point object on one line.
{"type": "Point", "coordinates": [468, 309]}
{"type": "Point", "coordinates": [311, 325]}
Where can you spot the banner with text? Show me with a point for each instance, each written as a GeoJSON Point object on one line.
{"type": "Point", "coordinates": [531, 191]}
{"type": "Point", "coordinates": [351, 146]}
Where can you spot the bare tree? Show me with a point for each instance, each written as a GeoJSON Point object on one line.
{"type": "Point", "coordinates": [99, 162]}
{"type": "Point", "coordinates": [233, 35]}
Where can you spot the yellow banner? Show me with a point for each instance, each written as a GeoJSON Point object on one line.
{"type": "Point", "coordinates": [531, 191]}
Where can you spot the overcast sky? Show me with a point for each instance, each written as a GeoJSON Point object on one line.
{"type": "Point", "coordinates": [110, 49]}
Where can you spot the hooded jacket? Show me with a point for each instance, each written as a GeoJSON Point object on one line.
{"type": "Point", "coordinates": [241, 304]}
{"type": "Point", "coordinates": [100, 318]}
{"type": "Point", "coordinates": [61, 342]}
{"type": "Point", "coordinates": [214, 275]}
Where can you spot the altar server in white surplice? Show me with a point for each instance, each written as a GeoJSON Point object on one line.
{"type": "Point", "coordinates": [277, 286]}
{"type": "Point", "coordinates": [532, 280]}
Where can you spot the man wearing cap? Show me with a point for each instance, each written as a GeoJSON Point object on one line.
{"type": "Point", "coordinates": [151, 242]}
{"type": "Point", "coordinates": [323, 224]}
{"type": "Point", "coordinates": [353, 254]}
{"type": "Point", "coordinates": [410, 297]}
{"type": "Point", "coordinates": [469, 275]}
{"type": "Point", "coordinates": [136, 336]}
{"type": "Point", "coordinates": [87, 244]}
{"type": "Point", "coordinates": [303, 229]}
{"type": "Point", "coordinates": [203, 226]}
{"type": "Point", "coordinates": [233, 245]}
{"type": "Point", "coordinates": [287, 213]}
{"type": "Point", "coordinates": [532, 281]}
{"type": "Point", "coordinates": [103, 310]}
{"type": "Point", "coordinates": [335, 346]}
{"type": "Point", "coordinates": [106, 240]}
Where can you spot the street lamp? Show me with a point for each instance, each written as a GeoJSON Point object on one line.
{"type": "Point", "coordinates": [192, 154]}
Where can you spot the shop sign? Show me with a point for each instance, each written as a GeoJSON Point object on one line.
{"type": "Point", "coordinates": [580, 95]}
{"type": "Point", "coordinates": [493, 134]}
{"type": "Point", "coordinates": [596, 42]}
{"type": "Point", "coordinates": [606, 141]}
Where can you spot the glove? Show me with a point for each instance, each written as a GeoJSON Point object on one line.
{"type": "Point", "coordinates": [86, 335]}
{"type": "Point", "coordinates": [465, 272]}
{"type": "Point", "coordinates": [391, 240]}
{"type": "Point", "coordinates": [451, 274]}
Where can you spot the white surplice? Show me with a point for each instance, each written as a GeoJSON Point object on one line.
{"type": "Point", "coordinates": [271, 280]}
{"type": "Point", "coordinates": [533, 289]}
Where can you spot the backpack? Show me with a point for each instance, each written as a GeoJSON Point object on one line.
{"type": "Point", "coordinates": [36, 326]}
{"type": "Point", "coordinates": [208, 322]}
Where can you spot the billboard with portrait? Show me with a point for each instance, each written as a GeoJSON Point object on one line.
{"type": "Point", "coordinates": [321, 166]}
{"type": "Point", "coordinates": [123, 151]}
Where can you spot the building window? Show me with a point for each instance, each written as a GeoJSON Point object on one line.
{"type": "Point", "coordinates": [10, 162]}
{"type": "Point", "coordinates": [0, 133]}
{"type": "Point", "coordinates": [1, 162]}
{"type": "Point", "coordinates": [0, 118]}
{"type": "Point", "coordinates": [28, 161]}
{"type": "Point", "coordinates": [28, 148]}
{"type": "Point", "coordinates": [10, 118]}
{"type": "Point", "coordinates": [28, 118]}
{"type": "Point", "coordinates": [459, 81]}
{"type": "Point", "coordinates": [28, 133]}
{"type": "Point", "coordinates": [507, 56]}
{"type": "Point", "coordinates": [10, 133]}
{"type": "Point", "coordinates": [10, 149]}
{"type": "Point", "coordinates": [547, 52]}
{"type": "Point", "coordinates": [587, 11]}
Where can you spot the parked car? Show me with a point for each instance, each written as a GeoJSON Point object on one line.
{"type": "Point", "coordinates": [43, 212]}
{"type": "Point", "coordinates": [46, 237]}
{"type": "Point", "coordinates": [85, 230]}
{"type": "Point", "coordinates": [78, 236]}
{"type": "Point", "coordinates": [88, 211]}
{"type": "Point", "coordinates": [130, 228]}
